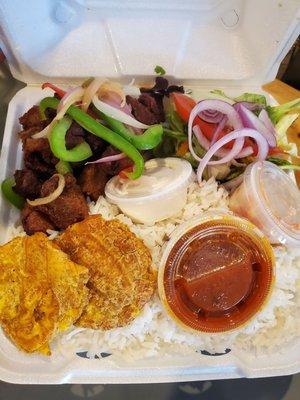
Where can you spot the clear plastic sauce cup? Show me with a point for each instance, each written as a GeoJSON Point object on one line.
{"type": "Point", "coordinates": [216, 273]}
{"type": "Point", "coordinates": [270, 199]}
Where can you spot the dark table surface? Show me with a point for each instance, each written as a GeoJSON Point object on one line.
{"type": "Point", "coordinates": [277, 388]}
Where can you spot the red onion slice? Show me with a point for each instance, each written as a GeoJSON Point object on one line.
{"type": "Point", "coordinates": [45, 132]}
{"type": "Point", "coordinates": [117, 114]}
{"type": "Point", "coordinates": [211, 116]}
{"type": "Point", "coordinates": [265, 119]}
{"type": "Point", "coordinates": [248, 104]}
{"type": "Point", "coordinates": [114, 100]}
{"type": "Point", "coordinates": [52, 196]}
{"type": "Point", "coordinates": [231, 185]}
{"type": "Point", "coordinates": [263, 147]}
{"type": "Point", "coordinates": [72, 96]}
{"type": "Point", "coordinates": [238, 164]}
{"type": "Point", "coordinates": [251, 121]}
{"type": "Point", "coordinates": [204, 142]}
{"type": "Point", "coordinates": [227, 155]}
{"type": "Point", "coordinates": [90, 92]}
{"type": "Point", "coordinates": [213, 104]}
{"type": "Point", "coordinates": [218, 130]}
{"type": "Point", "coordinates": [106, 159]}
{"type": "Point", "coordinates": [246, 152]}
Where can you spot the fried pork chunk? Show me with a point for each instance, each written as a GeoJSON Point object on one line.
{"type": "Point", "coordinates": [122, 280]}
{"type": "Point", "coordinates": [68, 208]}
{"type": "Point", "coordinates": [42, 292]}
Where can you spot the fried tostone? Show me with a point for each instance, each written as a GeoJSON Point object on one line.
{"type": "Point", "coordinates": [42, 292]}
{"type": "Point", "coordinates": [122, 280]}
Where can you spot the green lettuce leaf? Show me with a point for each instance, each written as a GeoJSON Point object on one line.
{"type": "Point", "coordinates": [281, 129]}
{"type": "Point", "coordinates": [251, 97]}
{"type": "Point", "coordinates": [276, 113]}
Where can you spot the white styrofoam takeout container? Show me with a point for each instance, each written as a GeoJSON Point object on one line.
{"type": "Point", "coordinates": [235, 44]}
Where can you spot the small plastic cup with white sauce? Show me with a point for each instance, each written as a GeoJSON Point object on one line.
{"type": "Point", "coordinates": [270, 199]}
{"type": "Point", "coordinates": [160, 193]}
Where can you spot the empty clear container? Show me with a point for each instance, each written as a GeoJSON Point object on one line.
{"type": "Point", "coordinates": [270, 199]}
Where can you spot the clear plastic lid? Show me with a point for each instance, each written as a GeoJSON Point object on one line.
{"type": "Point", "coordinates": [161, 176]}
{"type": "Point", "coordinates": [278, 195]}
{"type": "Point", "coordinates": [216, 273]}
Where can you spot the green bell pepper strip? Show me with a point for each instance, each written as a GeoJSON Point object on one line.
{"type": "Point", "coordinates": [63, 167]}
{"type": "Point", "coordinates": [94, 127]}
{"type": "Point", "coordinates": [10, 195]}
{"type": "Point", "coordinates": [146, 141]}
{"type": "Point", "coordinates": [57, 141]}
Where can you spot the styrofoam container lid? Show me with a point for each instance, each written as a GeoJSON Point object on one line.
{"type": "Point", "coordinates": [240, 41]}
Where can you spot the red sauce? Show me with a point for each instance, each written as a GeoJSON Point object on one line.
{"type": "Point", "coordinates": [217, 276]}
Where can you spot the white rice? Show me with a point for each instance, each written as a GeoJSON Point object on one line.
{"type": "Point", "coordinates": [153, 331]}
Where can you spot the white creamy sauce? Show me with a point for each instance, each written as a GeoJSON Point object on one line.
{"type": "Point", "coordinates": [158, 194]}
{"type": "Point", "coordinates": [153, 180]}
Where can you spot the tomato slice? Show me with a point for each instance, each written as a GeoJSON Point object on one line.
{"type": "Point", "coordinates": [277, 150]}
{"type": "Point", "coordinates": [184, 105]}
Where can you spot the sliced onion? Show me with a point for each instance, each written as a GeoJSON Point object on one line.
{"type": "Point", "coordinates": [131, 90]}
{"type": "Point", "coordinates": [90, 92]}
{"type": "Point", "coordinates": [213, 104]}
{"type": "Point", "coordinates": [44, 133]}
{"type": "Point", "coordinates": [72, 96]}
{"type": "Point", "coordinates": [117, 114]}
{"type": "Point", "coordinates": [211, 116]}
{"type": "Point", "coordinates": [204, 142]}
{"type": "Point", "coordinates": [250, 120]}
{"type": "Point", "coordinates": [53, 196]}
{"type": "Point", "coordinates": [238, 164]}
{"type": "Point", "coordinates": [231, 185]}
{"type": "Point", "coordinates": [112, 87]}
{"type": "Point", "coordinates": [249, 105]}
{"type": "Point", "coordinates": [263, 147]}
{"type": "Point", "coordinates": [265, 119]}
{"type": "Point", "coordinates": [64, 104]}
{"type": "Point", "coordinates": [114, 157]}
{"type": "Point", "coordinates": [246, 152]}
{"type": "Point", "coordinates": [114, 100]}
{"type": "Point", "coordinates": [227, 155]}
{"type": "Point", "coordinates": [218, 130]}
